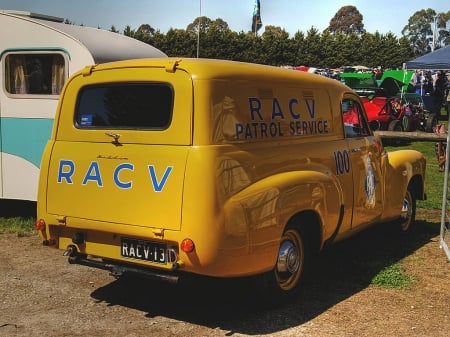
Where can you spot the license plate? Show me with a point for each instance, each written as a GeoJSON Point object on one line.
{"type": "Point", "coordinates": [143, 250]}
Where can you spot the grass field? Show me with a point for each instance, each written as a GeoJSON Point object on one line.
{"type": "Point", "coordinates": [434, 179]}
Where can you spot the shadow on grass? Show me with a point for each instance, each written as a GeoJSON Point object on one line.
{"type": "Point", "coordinates": [17, 208]}
{"type": "Point", "coordinates": [233, 305]}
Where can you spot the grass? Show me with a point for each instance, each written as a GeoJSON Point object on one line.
{"type": "Point", "coordinates": [22, 226]}
{"type": "Point", "coordinates": [392, 276]}
{"type": "Point", "coordinates": [434, 180]}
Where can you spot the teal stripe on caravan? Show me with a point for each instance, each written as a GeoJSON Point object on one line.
{"type": "Point", "coordinates": [25, 137]}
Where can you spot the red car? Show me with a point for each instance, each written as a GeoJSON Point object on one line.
{"type": "Point", "coordinates": [388, 104]}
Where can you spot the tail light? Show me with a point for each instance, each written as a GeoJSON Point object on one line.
{"type": "Point", "coordinates": [40, 225]}
{"type": "Point", "coordinates": [187, 245]}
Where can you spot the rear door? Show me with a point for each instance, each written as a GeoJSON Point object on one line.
{"type": "Point", "coordinates": [121, 146]}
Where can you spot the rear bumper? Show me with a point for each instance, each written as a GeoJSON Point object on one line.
{"type": "Point", "coordinates": [117, 269]}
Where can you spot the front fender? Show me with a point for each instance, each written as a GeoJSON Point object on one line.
{"type": "Point", "coordinates": [403, 167]}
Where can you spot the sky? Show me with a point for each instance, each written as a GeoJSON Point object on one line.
{"type": "Point", "coordinates": [383, 16]}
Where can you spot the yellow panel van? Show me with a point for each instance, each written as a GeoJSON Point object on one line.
{"type": "Point", "coordinates": [170, 167]}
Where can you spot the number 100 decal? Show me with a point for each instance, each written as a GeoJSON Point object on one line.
{"type": "Point", "coordinates": [342, 161]}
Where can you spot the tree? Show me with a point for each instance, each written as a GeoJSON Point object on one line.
{"type": "Point", "coordinates": [144, 33]}
{"type": "Point", "coordinates": [113, 29]}
{"type": "Point", "coordinates": [347, 20]}
{"type": "Point", "coordinates": [277, 47]}
{"type": "Point", "coordinates": [330, 49]}
{"type": "Point", "coordinates": [219, 25]}
{"type": "Point", "coordinates": [419, 30]}
{"type": "Point", "coordinates": [204, 23]}
{"type": "Point", "coordinates": [128, 31]}
{"type": "Point", "coordinates": [180, 43]}
{"type": "Point", "coordinates": [443, 34]}
{"type": "Point", "coordinates": [312, 48]}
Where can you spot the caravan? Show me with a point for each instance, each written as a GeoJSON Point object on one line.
{"type": "Point", "coordinates": [36, 58]}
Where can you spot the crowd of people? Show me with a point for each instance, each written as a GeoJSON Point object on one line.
{"type": "Point", "coordinates": [435, 84]}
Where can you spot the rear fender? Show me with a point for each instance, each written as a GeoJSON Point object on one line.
{"type": "Point", "coordinates": [263, 209]}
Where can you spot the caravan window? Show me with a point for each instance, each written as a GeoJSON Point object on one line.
{"type": "Point", "coordinates": [34, 73]}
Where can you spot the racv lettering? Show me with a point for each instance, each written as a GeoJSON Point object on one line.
{"type": "Point", "coordinates": [94, 175]}
{"type": "Point", "coordinates": [294, 117]}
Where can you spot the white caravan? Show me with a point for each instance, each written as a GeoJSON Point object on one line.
{"type": "Point", "coordinates": [37, 54]}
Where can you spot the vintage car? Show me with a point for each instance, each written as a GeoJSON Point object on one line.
{"type": "Point", "coordinates": [390, 101]}
{"type": "Point", "coordinates": [177, 167]}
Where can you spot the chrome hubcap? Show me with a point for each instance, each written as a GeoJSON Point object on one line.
{"type": "Point", "coordinates": [288, 258]}
{"type": "Point", "coordinates": [405, 209]}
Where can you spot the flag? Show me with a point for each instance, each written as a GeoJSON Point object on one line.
{"type": "Point", "coordinates": [256, 22]}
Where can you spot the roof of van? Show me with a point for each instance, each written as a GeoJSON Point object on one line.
{"type": "Point", "coordinates": [200, 68]}
{"type": "Point", "coordinates": [105, 46]}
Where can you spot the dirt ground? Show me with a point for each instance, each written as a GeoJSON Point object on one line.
{"type": "Point", "coordinates": [42, 295]}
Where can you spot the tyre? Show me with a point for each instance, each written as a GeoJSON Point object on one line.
{"type": "Point", "coordinates": [431, 122]}
{"type": "Point", "coordinates": [408, 214]}
{"type": "Point", "coordinates": [406, 123]}
{"type": "Point", "coordinates": [394, 125]}
{"type": "Point", "coordinates": [284, 282]}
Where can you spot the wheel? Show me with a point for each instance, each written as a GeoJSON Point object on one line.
{"type": "Point", "coordinates": [284, 282]}
{"type": "Point", "coordinates": [394, 125]}
{"type": "Point", "coordinates": [408, 214]}
{"type": "Point", "coordinates": [406, 123]}
{"type": "Point", "coordinates": [431, 122]}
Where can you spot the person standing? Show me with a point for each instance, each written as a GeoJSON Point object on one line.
{"type": "Point", "coordinates": [438, 93]}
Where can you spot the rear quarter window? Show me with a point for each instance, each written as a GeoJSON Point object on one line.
{"type": "Point", "coordinates": [125, 106]}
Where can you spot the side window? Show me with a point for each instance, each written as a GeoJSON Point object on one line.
{"type": "Point", "coordinates": [34, 73]}
{"type": "Point", "coordinates": [354, 123]}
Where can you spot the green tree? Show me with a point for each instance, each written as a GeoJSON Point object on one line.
{"type": "Point", "coordinates": [216, 41]}
{"type": "Point", "coordinates": [128, 31]}
{"type": "Point", "coordinates": [347, 20]}
{"type": "Point", "coordinates": [276, 45]}
{"type": "Point", "coordinates": [298, 52]}
{"type": "Point", "coordinates": [419, 30]}
{"type": "Point", "coordinates": [443, 34]}
{"type": "Point", "coordinates": [331, 49]}
{"type": "Point", "coordinates": [202, 21]}
{"type": "Point", "coordinates": [179, 42]}
{"type": "Point", "coordinates": [312, 47]}
{"type": "Point", "coordinates": [246, 47]}
{"type": "Point", "coordinates": [348, 50]}
{"type": "Point", "coordinates": [388, 55]}
{"type": "Point", "coordinates": [144, 33]}
{"type": "Point", "coordinates": [113, 29]}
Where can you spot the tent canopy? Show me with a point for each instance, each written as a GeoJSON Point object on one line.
{"type": "Point", "coordinates": [439, 59]}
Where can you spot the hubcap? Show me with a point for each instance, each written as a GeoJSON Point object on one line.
{"type": "Point", "coordinates": [288, 258]}
{"type": "Point", "coordinates": [406, 213]}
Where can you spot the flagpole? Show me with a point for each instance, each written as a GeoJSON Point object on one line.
{"type": "Point", "coordinates": [198, 29]}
